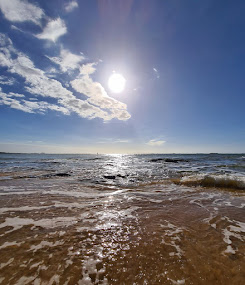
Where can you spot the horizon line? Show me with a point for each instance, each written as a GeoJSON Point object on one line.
{"type": "Point", "coordinates": [4, 152]}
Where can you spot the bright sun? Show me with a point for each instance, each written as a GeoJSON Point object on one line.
{"type": "Point", "coordinates": [116, 83]}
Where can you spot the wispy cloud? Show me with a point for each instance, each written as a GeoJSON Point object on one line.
{"type": "Point", "coordinates": [155, 142]}
{"type": "Point", "coordinates": [88, 68]}
{"type": "Point", "coordinates": [13, 100]}
{"type": "Point", "coordinates": [156, 72]}
{"type": "Point", "coordinates": [121, 141]}
{"type": "Point", "coordinates": [13, 27]}
{"type": "Point", "coordinates": [21, 11]}
{"type": "Point", "coordinates": [111, 141]}
{"type": "Point", "coordinates": [53, 30]}
{"type": "Point", "coordinates": [4, 80]}
{"type": "Point", "coordinates": [67, 60]}
{"type": "Point", "coordinates": [70, 6]}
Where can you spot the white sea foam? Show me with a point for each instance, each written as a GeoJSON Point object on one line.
{"type": "Point", "coordinates": [37, 281]}
{"type": "Point", "coordinates": [232, 203]}
{"type": "Point", "coordinates": [67, 281]}
{"type": "Point", "coordinates": [233, 231]}
{"type": "Point", "coordinates": [17, 223]}
{"type": "Point", "coordinates": [13, 243]}
{"type": "Point", "coordinates": [156, 201]}
{"type": "Point", "coordinates": [210, 219]}
{"type": "Point", "coordinates": [199, 203]}
{"type": "Point", "coordinates": [173, 232]}
{"type": "Point", "coordinates": [44, 243]}
{"type": "Point", "coordinates": [37, 264]}
{"type": "Point", "coordinates": [68, 263]}
{"type": "Point", "coordinates": [177, 282]}
{"type": "Point", "coordinates": [89, 267]}
{"type": "Point", "coordinates": [25, 280]}
{"type": "Point", "coordinates": [2, 265]}
{"type": "Point", "coordinates": [22, 209]}
{"type": "Point", "coordinates": [17, 193]}
{"type": "Point", "coordinates": [54, 279]}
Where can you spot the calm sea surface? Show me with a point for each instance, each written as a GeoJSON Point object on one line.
{"type": "Point", "coordinates": [122, 219]}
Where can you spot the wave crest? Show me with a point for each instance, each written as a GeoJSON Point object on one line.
{"type": "Point", "coordinates": [218, 181]}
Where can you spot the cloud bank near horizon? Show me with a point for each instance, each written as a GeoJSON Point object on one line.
{"type": "Point", "coordinates": [155, 142]}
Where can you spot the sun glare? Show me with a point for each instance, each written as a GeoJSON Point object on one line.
{"type": "Point", "coordinates": [116, 83]}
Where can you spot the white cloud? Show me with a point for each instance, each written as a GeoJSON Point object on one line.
{"type": "Point", "coordinates": [53, 30]}
{"type": "Point", "coordinates": [98, 105]}
{"type": "Point", "coordinates": [5, 41]}
{"type": "Point", "coordinates": [4, 80]}
{"type": "Point", "coordinates": [28, 106]}
{"type": "Point", "coordinates": [17, 95]}
{"type": "Point", "coordinates": [97, 94]}
{"type": "Point", "coordinates": [84, 109]}
{"type": "Point", "coordinates": [156, 72]}
{"type": "Point", "coordinates": [111, 141]}
{"type": "Point", "coordinates": [67, 60]}
{"type": "Point", "coordinates": [5, 99]}
{"type": "Point", "coordinates": [21, 11]}
{"type": "Point", "coordinates": [88, 68]}
{"type": "Point", "coordinates": [71, 6]}
{"type": "Point", "coordinates": [42, 106]}
{"type": "Point", "coordinates": [155, 142]}
{"type": "Point", "coordinates": [51, 72]}
{"type": "Point", "coordinates": [13, 27]}
{"type": "Point", "coordinates": [121, 141]}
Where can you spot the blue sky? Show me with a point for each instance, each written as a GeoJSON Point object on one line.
{"type": "Point", "coordinates": [183, 61]}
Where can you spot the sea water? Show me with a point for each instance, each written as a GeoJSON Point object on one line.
{"type": "Point", "coordinates": [122, 219]}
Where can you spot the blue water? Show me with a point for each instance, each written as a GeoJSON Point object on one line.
{"type": "Point", "coordinates": [127, 170]}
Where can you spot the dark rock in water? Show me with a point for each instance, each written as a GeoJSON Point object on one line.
{"type": "Point", "coordinates": [56, 174]}
{"type": "Point", "coordinates": [172, 160]}
{"type": "Point", "coordinates": [157, 159]}
{"type": "Point", "coordinates": [121, 176]}
{"type": "Point", "coordinates": [62, 174]}
{"type": "Point", "coordinates": [110, 176]}
{"type": "Point", "coordinates": [176, 160]}
{"type": "Point", "coordinates": [168, 160]}
{"type": "Point", "coordinates": [96, 158]}
{"type": "Point", "coordinates": [114, 176]}
{"type": "Point", "coordinates": [48, 162]}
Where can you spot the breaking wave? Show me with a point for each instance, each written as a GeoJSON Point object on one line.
{"type": "Point", "coordinates": [218, 181]}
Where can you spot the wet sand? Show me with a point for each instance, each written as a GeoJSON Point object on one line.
{"type": "Point", "coordinates": [55, 232]}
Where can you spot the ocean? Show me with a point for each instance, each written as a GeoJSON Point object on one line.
{"type": "Point", "coordinates": [122, 219]}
